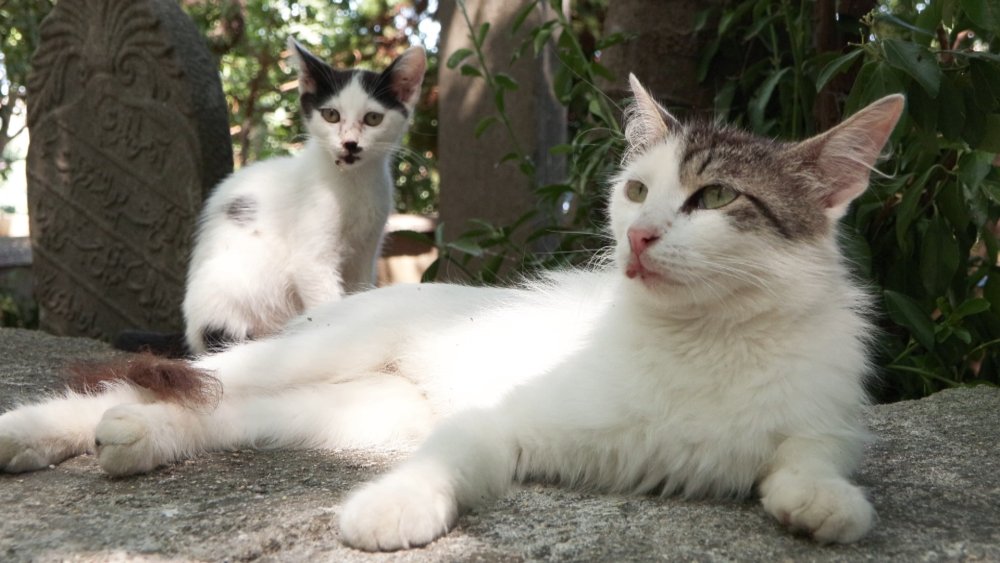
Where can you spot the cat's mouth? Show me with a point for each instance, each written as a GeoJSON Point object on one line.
{"type": "Point", "coordinates": [348, 159]}
{"type": "Point", "coordinates": [635, 269]}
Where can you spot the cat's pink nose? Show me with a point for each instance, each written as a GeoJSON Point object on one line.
{"type": "Point", "coordinates": [641, 239]}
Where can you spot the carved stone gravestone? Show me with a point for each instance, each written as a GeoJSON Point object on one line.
{"type": "Point", "coordinates": [129, 132]}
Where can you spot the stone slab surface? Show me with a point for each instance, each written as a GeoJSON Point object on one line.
{"type": "Point", "coordinates": [933, 473]}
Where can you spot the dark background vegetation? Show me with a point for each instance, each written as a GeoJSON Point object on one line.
{"type": "Point", "coordinates": [924, 238]}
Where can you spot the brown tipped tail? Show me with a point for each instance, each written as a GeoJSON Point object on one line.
{"type": "Point", "coordinates": [175, 381]}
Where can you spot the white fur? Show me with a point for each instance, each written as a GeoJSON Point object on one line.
{"type": "Point", "coordinates": [315, 230]}
{"type": "Point", "coordinates": [709, 384]}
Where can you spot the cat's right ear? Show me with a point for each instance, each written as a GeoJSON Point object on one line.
{"type": "Point", "coordinates": [646, 121]}
{"type": "Point", "coordinates": [308, 65]}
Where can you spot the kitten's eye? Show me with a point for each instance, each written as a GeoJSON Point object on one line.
{"type": "Point", "coordinates": [372, 118]}
{"type": "Point", "coordinates": [713, 196]}
{"type": "Point", "coordinates": [330, 114]}
{"type": "Point", "coordinates": [636, 191]}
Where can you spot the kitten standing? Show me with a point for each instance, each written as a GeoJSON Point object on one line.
{"type": "Point", "coordinates": [287, 234]}
{"type": "Point", "coordinates": [723, 352]}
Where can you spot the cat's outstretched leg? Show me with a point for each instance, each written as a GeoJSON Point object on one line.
{"type": "Point", "coordinates": [37, 436]}
{"type": "Point", "coordinates": [806, 489]}
{"type": "Point", "coordinates": [468, 460]}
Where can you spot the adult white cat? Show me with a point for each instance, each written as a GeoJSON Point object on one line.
{"type": "Point", "coordinates": [723, 349]}
{"type": "Point", "coordinates": [291, 233]}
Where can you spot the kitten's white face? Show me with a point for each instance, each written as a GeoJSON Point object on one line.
{"type": "Point", "coordinates": [355, 127]}
{"type": "Point", "coordinates": [704, 212]}
{"type": "Point", "coordinates": [358, 116]}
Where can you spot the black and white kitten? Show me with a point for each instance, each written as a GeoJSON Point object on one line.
{"type": "Point", "coordinates": [290, 233]}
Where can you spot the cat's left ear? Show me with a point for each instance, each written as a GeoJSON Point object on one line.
{"type": "Point", "coordinates": [406, 74]}
{"type": "Point", "coordinates": [309, 66]}
{"type": "Point", "coordinates": [844, 156]}
{"type": "Point", "coordinates": [646, 121]}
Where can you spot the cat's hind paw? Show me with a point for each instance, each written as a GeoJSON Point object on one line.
{"type": "Point", "coordinates": [17, 456]}
{"type": "Point", "coordinates": [830, 510]}
{"type": "Point", "coordinates": [404, 509]}
{"type": "Point", "coordinates": [124, 444]}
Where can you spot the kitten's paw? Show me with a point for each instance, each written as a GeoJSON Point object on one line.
{"type": "Point", "coordinates": [831, 510]}
{"type": "Point", "coordinates": [401, 510]}
{"type": "Point", "coordinates": [124, 444]}
{"type": "Point", "coordinates": [18, 456]}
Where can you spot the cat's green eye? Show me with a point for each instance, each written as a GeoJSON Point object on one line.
{"type": "Point", "coordinates": [713, 197]}
{"type": "Point", "coordinates": [330, 114]}
{"type": "Point", "coordinates": [636, 191]}
{"type": "Point", "coordinates": [372, 118]}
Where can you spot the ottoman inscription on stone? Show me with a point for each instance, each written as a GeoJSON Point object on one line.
{"type": "Point", "coordinates": [128, 133]}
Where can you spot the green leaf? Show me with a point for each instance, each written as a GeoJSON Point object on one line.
{"type": "Point", "coordinates": [758, 104]}
{"type": "Point", "coordinates": [466, 246]}
{"type": "Point", "coordinates": [973, 306]}
{"type": "Point", "coordinates": [730, 18]}
{"type": "Point", "coordinates": [542, 34]}
{"type": "Point", "coordinates": [484, 28]}
{"type": "Point", "coordinates": [521, 16]}
{"type": "Point", "coordinates": [951, 105]}
{"type": "Point", "coordinates": [836, 66]}
{"type": "Point", "coordinates": [985, 77]}
{"type": "Point", "coordinates": [701, 18]}
{"type": "Point", "coordinates": [938, 255]}
{"type": "Point", "coordinates": [984, 12]}
{"type": "Point", "coordinates": [484, 124]}
{"type": "Point", "coordinates": [458, 56]}
{"type": "Point", "coordinates": [614, 39]}
{"type": "Point", "coordinates": [906, 312]}
{"type": "Point", "coordinates": [991, 140]}
{"type": "Point", "coordinates": [508, 157]}
{"type": "Point", "coordinates": [916, 61]}
{"type": "Point", "coordinates": [875, 80]}
{"type": "Point", "coordinates": [469, 70]}
{"type": "Point", "coordinates": [505, 81]}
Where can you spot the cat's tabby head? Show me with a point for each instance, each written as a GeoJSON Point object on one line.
{"type": "Point", "coordinates": [358, 115]}
{"type": "Point", "coordinates": [712, 211]}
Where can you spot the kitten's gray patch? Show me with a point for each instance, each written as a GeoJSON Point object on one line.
{"type": "Point", "coordinates": [242, 210]}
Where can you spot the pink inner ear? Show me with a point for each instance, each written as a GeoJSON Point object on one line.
{"type": "Point", "coordinates": [402, 86]}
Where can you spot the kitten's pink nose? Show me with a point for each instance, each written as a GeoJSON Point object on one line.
{"type": "Point", "coordinates": [641, 239]}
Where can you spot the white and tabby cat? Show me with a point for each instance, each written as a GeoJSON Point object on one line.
{"type": "Point", "coordinates": [286, 234]}
{"type": "Point", "coordinates": [723, 349]}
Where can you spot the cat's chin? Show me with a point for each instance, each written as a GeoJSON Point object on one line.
{"type": "Point", "coordinates": [636, 270]}
{"type": "Point", "coordinates": [347, 160]}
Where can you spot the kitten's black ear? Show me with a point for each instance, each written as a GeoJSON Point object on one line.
{"type": "Point", "coordinates": [646, 121]}
{"type": "Point", "coordinates": [844, 156]}
{"type": "Point", "coordinates": [309, 67]}
{"type": "Point", "coordinates": [406, 74]}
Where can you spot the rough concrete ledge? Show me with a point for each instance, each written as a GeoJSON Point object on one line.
{"type": "Point", "coordinates": [933, 474]}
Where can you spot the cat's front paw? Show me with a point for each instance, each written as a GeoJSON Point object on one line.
{"type": "Point", "coordinates": [401, 510]}
{"type": "Point", "coordinates": [18, 456]}
{"type": "Point", "coordinates": [124, 444]}
{"type": "Point", "coordinates": [830, 510]}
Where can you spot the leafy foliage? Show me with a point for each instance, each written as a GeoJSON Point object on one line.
{"type": "Point", "coordinates": [925, 235]}
{"type": "Point", "coordinates": [19, 20]}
